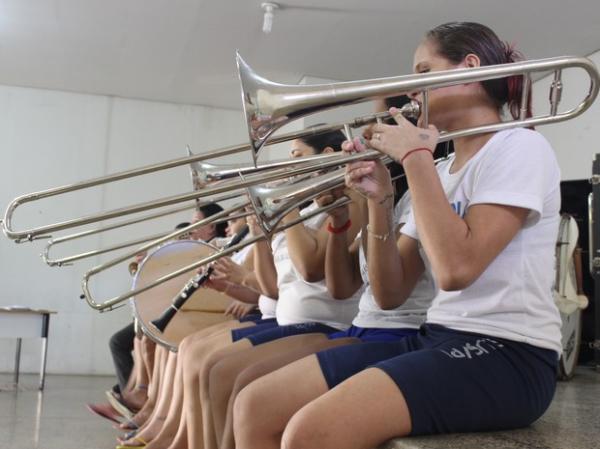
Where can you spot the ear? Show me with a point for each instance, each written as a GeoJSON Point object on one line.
{"type": "Point", "coordinates": [471, 61]}
{"type": "Point", "coordinates": [328, 150]}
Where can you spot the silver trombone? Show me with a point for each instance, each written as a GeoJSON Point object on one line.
{"type": "Point", "coordinates": [213, 179]}
{"type": "Point", "coordinates": [303, 195]}
{"type": "Point", "coordinates": [69, 260]}
{"type": "Point", "coordinates": [268, 106]}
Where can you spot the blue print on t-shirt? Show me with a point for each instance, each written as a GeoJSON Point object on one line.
{"type": "Point", "coordinates": [457, 207]}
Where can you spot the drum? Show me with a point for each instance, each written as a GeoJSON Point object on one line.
{"type": "Point", "coordinates": [203, 309]}
{"type": "Point", "coordinates": [566, 294]}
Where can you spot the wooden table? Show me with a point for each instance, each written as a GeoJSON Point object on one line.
{"type": "Point", "coordinates": [23, 322]}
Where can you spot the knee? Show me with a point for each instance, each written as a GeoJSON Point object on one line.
{"type": "Point", "coordinates": [205, 369]}
{"type": "Point", "coordinates": [303, 433]}
{"type": "Point", "coordinates": [218, 384]}
{"type": "Point", "coordinates": [246, 421]}
{"type": "Point", "coordinates": [247, 376]}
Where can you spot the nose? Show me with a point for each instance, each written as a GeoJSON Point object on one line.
{"type": "Point", "coordinates": [414, 95]}
{"type": "Point", "coordinates": [295, 153]}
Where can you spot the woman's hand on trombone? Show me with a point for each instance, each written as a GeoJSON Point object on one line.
{"type": "Point", "coordinates": [398, 140]}
{"type": "Point", "coordinates": [369, 178]}
{"type": "Point", "coordinates": [339, 215]}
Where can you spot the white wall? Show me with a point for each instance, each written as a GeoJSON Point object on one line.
{"type": "Point", "coordinates": [49, 138]}
{"type": "Point", "coordinates": [575, 141]}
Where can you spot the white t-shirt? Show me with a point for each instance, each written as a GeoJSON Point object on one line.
{"type": "Point", "coordinates": [240, 256]}
{"type": "Point", "coordinates": [512, 298]}
{"type": "Point", "coordinates": [413, 312]}
{"type": "Point", "coordinates": [302, 302]}
{"type": "Point", "coordinates": [267, 307]}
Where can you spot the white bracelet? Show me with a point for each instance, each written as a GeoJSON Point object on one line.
{"type": "Point", "coordinates": [382, 237]}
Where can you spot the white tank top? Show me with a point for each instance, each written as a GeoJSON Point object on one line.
{"type": "Point", "coordinates": [301, 301]}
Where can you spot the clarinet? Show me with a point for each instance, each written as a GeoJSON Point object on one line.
{"type": "Point", "coordinates": [191, 286]}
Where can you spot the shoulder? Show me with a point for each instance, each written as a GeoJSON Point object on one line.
{"type": "Point", "coordinates": [520, 141]}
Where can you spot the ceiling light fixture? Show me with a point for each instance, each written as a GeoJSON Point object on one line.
{"type": "Point", "coordinates": [268, 8]}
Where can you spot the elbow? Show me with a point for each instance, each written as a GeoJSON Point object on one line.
{"type": "Point", "coordinates": [388, 301]}
{"type": "Point", "coordinates": [310, 275]}
{"type": "Point", "coordinates": [454, 278]}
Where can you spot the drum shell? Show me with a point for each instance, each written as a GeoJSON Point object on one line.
{"type": "Point", "coordinates": [204, 308]}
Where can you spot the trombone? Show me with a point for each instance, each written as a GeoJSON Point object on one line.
{"type": "Point", "coordinates": [213, 179]}
{"type": "Point", "coordinates": [268, 106]}
{"type": "Point", "coordinates": [69, 260]}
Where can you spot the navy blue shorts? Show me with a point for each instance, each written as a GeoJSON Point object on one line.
{"type": "Point", "coordinates": [262, 325]}
{"type": "Point", "coordinates": [254, 317]}
{"type": "Point", "coordinates": [278, 332]}
{"type": "Point", "coordinates": [456, 381]}
{"type": "Point", "coordinates": [374, 334]}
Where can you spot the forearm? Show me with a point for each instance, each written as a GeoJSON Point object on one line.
{"type": "Point", "coordinates": [250, 281]}
{"type": "Point", "coordinates": [264, 267]}
{"type": "Point", "coordinates": [342, 272]}
{"type": "Point", "coordinates": [386, 275]}
{"type": "Point", "coordinates": [445, 236]}
{"type": "Point", "coordinates": [242, 293]}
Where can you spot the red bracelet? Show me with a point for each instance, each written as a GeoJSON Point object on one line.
{"type": "Point", "coordinates": [341, 229]}
{"type": "Point", "coordinates": [414, 151]}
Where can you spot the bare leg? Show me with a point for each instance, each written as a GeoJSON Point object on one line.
{"type": "Point", "coordinates": [168, 434]}
{"type": "Point", "coordinates": [373, 407]}
{"type": "Point", "coordinates": [223, 391]}
{"type": "Point", "coordinates": [193, 371]}
{"type": "Point", "coordinates": [153, 426]}
{"type": "Point", "coordinates": [154, 388]}
{"type": "Point", "coordinates": [137, 392]}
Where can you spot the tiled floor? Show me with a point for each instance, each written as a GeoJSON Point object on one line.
{"type": "Point", "coordinates": [58, 419]}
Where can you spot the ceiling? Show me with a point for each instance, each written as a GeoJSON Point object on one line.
{"type": "Point", "coordinates": [183, 50]}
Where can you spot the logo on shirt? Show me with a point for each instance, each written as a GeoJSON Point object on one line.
{"type": "Point", "coordinates": [457, 207]}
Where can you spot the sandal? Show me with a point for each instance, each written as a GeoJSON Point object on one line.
{"type": "Point", "coordinates": [105, 411]}
{"type": "Point", "coordinates": [116, 402]}
{"type": "Point", "coordinates": [142, 444]}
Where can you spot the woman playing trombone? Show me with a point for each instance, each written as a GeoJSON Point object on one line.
{"type": "Point", "coordinates": [486, 221]}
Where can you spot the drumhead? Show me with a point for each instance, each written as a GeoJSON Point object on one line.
{"type": "Point", "coordinates": [204, 308]}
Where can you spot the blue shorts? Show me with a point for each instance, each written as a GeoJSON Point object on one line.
{"type": "Point", "coordinates": [374, 334]}
{"type": "Point", "coordinates": [278, 332]}
{"type": "Point", "coordinates": [456, 381]}
{"type": "Point", "coordinates": [254, 317]}
{"type": "Point", "coordinates": [262, 325]}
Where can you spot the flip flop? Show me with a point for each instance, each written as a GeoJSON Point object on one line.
{"type": "Point", "coordinates": [127, 446]}
{"type": "Point", "coordinates": [128, 435]}
{"type": "Point", "coordinates": [116, 403]}
{"type": "Point", "coordinates": [105, 411]}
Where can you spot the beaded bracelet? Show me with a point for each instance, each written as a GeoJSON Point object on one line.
{"type": "Point", "coordinates": [382, 237]}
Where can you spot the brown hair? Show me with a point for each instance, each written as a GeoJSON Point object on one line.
{"type": "Point", "coordinates": [455, 40]}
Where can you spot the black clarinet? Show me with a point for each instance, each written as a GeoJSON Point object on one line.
{"type": "Point", "coordinates": [191, 286]}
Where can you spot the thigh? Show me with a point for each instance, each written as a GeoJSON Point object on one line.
{"type": "Point", "coordinates": [269, 402]}
{"type": "Point", "coordinates": [362, 412]}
